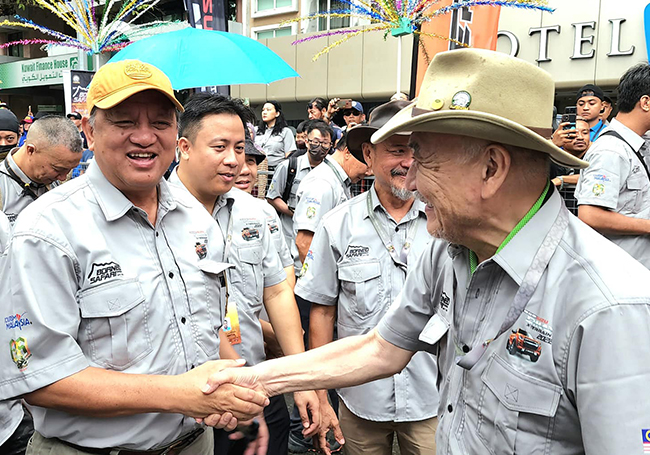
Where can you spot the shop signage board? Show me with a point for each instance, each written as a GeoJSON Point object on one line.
{"type": "Point", "coordinates": [36, 72]}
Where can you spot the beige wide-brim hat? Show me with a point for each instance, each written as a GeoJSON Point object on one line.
{"type": "Point", "coordinates": [486, 95]}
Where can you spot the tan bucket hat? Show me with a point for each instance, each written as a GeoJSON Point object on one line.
{"type": "Point", "coordinates": [487, 95]}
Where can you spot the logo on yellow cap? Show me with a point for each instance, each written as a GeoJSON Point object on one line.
{"type": "Point", "coordinates": [137, 70]}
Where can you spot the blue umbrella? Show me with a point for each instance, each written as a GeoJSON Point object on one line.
{"type": "Point", "coordinates": [197, 58]}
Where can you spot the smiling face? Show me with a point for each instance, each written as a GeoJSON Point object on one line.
{"type": "Point", "coordinates": [390, 161]}
{"type": "Point", "coordinates": [449, 190]}
{"type": "Point", "coordinates": [134, 141]}
{"type": "Point", "coordinates": [212, 160]}
{"type": "Point", "coordinates": [247, 177]}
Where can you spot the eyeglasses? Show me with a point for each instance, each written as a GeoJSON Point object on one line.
{"type": "Point", "coordinates": [349, 112]}
{"type": "Point", "coordinates": [317, 143]}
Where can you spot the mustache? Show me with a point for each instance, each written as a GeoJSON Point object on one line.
{"type": "Point", "coordinates": [398, 172]}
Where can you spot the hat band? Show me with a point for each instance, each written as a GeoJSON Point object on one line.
{"type": "Point", "coordinates": [544, 132]}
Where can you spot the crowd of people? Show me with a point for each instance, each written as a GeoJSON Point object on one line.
{"type": "Point", "coordinates": [455, 307]}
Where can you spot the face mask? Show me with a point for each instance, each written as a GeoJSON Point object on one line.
{"type": "Point", "coordinates": [318, 153]}
{"type": "Point", "coordinates": [6, 148]}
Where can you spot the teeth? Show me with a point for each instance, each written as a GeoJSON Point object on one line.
{"type": "Point", "coordinates": [141, 155]}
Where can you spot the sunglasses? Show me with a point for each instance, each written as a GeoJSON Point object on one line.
{"type": "Point", "coordinates": [349, 112]}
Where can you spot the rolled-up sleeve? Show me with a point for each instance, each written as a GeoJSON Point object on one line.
{"type": "Point", "coordinates": [608, 375]}
{"type": "Point", "coordinates": [416, 304]}
{"type": "Point", "coordinates": [315, 200]}
{"type": "Point", "coordinates": [289, 141]}
{"type": "Point", "coordinates": [42, 317]}
{"type": "Point", "coordinates": [600, 184]}
{"type": "Point", "coordinates": [319, 283]}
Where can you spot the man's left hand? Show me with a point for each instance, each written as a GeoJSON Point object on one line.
{"type": "Point", "coordinates": [309, 408]}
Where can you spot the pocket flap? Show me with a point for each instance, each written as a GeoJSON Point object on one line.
{"type": "Point", "coordinates": [251, 254]}
{"type": "Point", "coordinates": [359, 272]}
{"type": "Point", "coordinates": [111, 299]}
{"type": "Point", "coordinates": [636, 182]}
{"type": "Point", "coordinates": [213, 267]}
{"type": "Point", "coordinates": [434, 330]}
{"type": "Point", "coordinates": [520, 392]}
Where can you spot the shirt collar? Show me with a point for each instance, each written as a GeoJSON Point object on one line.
{"type": "Point", "coordinates": [303, 162]}
{"type": "Point", "coordinates": [417, 209]}
{"type": "Point", "coordinates": [113, 202]}
{"type": "Point", "coordinates": [517, 256]}
{"type": "Point", "coordinates": [17, 170]}
{"type": "Point", "coordinates": [630, 136]}
{"type": "Point", "coordinates": [339, 170]}
{"type": "Point", "coordinates": [174, 179]}
{"type": "Point", "coordinates": [597, 126]}
{"type": "Point", "coordinates": [225, 200]}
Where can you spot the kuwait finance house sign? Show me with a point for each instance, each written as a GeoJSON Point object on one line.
{"type": "Point", "coordinates": [37, 71]}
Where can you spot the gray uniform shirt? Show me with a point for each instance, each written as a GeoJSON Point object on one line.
{"type": "Point", "coordinates": [349, 266]}
{"type": "Point", "coordinates": [113, 292]}
{"type": "Point", "coordinates": [256, 265]}
{"type": "Point", "coordinates": [14, 197]}
{"type": "Point", "coordinates": [587, 392]}
{"type": "Point", "coordinates": [616, 180]}
{"type": "Point", "coordinates": [11, 411]}
{"type": "Point", "coordinates": [278, 185]}
{"type": "Point", "coordinates": [319, 192]}
{"type": "Point", "coordinates": [275, 228]}
{"type": "Point", "coordinates": [276, 146]}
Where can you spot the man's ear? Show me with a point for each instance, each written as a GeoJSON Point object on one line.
{"type": "Point", "coordinates": [184, 145]}
{"type": "Point", "coordinates": [496, 163]}
{"type": "Point", "coordinates": [30, 149]}
{"type": "Point", "coordinates": [366, 148]}
{"type": "Point", "coordinates": [644, 102]}
{"type": "Point", "coordinates": [89, 131]}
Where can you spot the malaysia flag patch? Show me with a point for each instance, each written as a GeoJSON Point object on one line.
{"type": "Point", "coordinates": [645, 434]}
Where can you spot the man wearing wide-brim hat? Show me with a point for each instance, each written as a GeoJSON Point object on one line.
{"type": "Point", "coordinates": [536, 319]}
{"type": "Point", "coordinates": [359, 258]}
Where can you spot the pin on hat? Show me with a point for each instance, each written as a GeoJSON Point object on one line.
{"type": "Point", "coordinates": [463, 93]}
{"type": "Point", "coordinates": [254, 150]}
{"type": "Point", "coordinates": [115, 82]}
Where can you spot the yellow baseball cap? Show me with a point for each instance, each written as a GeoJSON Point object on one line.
{"type": "Point", "coordinates": [115, 82]}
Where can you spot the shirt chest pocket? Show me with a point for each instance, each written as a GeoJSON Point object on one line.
{"type": "Point", "coordinates": [637, 188]}
{"type": "Point", "coordinates": [364, 290]}
{"type": "Point", "coordinates": [114, 330]}
{"type": "Point", "coordinates": [248, 276]}
{"type": "Point", "coordinates": [510, 404]}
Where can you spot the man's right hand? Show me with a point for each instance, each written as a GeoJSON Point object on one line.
{"type": "Point", "coordinates": [242, 402]}
{"type": "Point", "coordinates": [328, 420]}
{"type": "Point", "coordinates": [562, 137]}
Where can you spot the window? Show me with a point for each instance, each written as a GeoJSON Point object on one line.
{"type": "Point", "coordinates": [273, 31]}
{"type": "Point", "coordinates": [331, 23]}
{"type": "Point", "coordinates": [272, 7]}
{"type": "Point", "coordinates": [17, 49]}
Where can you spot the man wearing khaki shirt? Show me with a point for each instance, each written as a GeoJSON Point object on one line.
{"type": "Point", "coordinates": [358, 263]}
{"type": "Point", "coordinates": [120, 328]}
{"type": "Point", "coordinates": [537, 320]}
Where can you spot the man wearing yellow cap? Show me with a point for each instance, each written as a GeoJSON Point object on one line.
{"type": "Point", "coordinates": [538, 321]}
{"type": "Point", "coordinates": [115, 287]}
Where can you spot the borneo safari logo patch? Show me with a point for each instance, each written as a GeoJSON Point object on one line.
{"type": "Point", "coordinates": [103, 271]}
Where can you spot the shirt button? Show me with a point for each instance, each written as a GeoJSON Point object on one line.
{"type": "Point", "coordinates": [156, 233]}
{"type": "Point", "coordinates": [192, 367]}
{"type": "Point", "coordinates": [396, 228]}
{"type": "Point", "coordinates": [183, 320]}
{"type": "Point", "coordinates": [466, 349]}
{"type": "Point", "coordinates": [171, 275]}
{"type": "Point", "coordinates": [450, 408]}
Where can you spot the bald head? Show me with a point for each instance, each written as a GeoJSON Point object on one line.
{"type": "Point", "coordinates": [53, 131]}
{"type": "Point", "coordinates": [52, 149]}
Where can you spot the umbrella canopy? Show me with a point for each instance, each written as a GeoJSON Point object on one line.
{"type": "Point", "coordinates": [197, 58]}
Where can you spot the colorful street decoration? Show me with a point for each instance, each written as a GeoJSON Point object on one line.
{"type": "Point", "coordinates": [93, 36]}
{"type": "Point", "coordinates": [400, 17]}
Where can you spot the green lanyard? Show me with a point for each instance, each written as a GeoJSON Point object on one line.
{"type": "Point", "coordinates": [473, 259]}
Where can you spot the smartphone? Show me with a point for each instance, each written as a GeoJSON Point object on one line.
{"type": "Point", "coordinates": [570, 113]}
{"type": "Point", "coordinates": [345, 103]}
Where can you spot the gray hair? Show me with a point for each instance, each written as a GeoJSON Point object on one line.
{"type": "Point", "coordinates": [55, 130]}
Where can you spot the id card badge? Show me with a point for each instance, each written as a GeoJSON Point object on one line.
{"type": "Point", "coordinates": [435, 329]}
{"type": "Point", "coordinates": [231, 324]}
